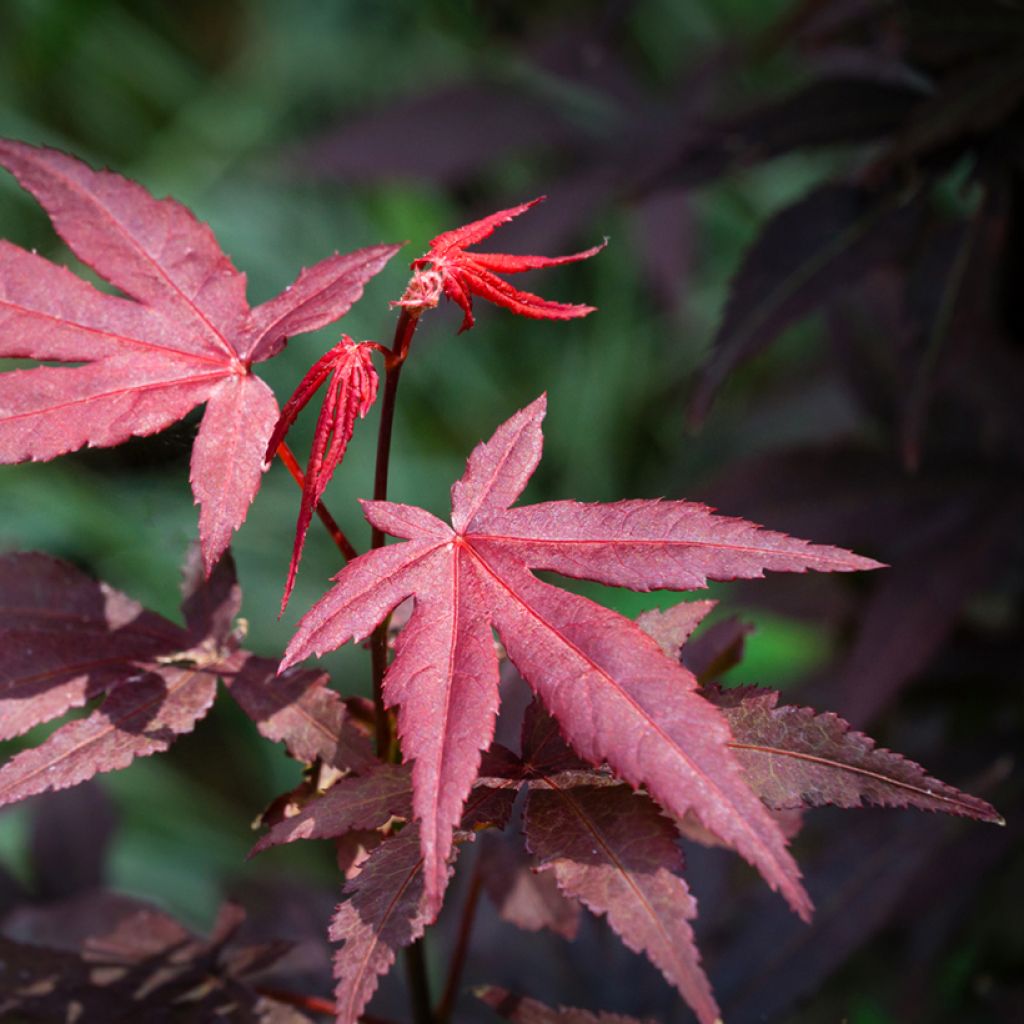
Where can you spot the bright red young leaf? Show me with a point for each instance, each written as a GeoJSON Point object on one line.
{"type": "Point", "coordinates": [616, 696]}
{"type": "Point", "coordinates": [66, 639]}
{"type": "Point", "coordinates": [461, 275]}
{"type": "Point", "coordinates": [185, 335]}
{"type": "Point", "coordinates": [351, 392]}
{"type": "Point", "coordinates": [795, 757]}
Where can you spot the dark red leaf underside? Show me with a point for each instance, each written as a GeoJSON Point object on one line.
{"type": "Point", "coordinates": [524, 897]}
{"type": "Point", "coordinates": [794, 757]}
{"type": "Point", "coordinates": [185, 335]}
{"type": "Point", "coordinates": [64, 639]}
{"type": "Point", "coordinates": [522, 1010]}
{"type": "Point", "coordinates": [615, 695]}
{"type": "Point", "coordinates": [612, 849]}
{"type": "Point", "coordinates": [143, 716]}
{"type": "Point", "coordinates": [351, 804]}
{"type": "Point", "coordinates": [387, 909]}
{"type": "Point", "coordinates": [299, 710]}
{"type": "Point", "coordinates": [69, 639]}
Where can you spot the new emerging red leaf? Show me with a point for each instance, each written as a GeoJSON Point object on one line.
{"type": "Point", "coordinates": [184, 336]}
{"type": "Point", "coordinates": [461, 275]}
{"type": "Point", "coordinates": [617, 698]}
{"type": "Point", "coordinates": [351, 392]}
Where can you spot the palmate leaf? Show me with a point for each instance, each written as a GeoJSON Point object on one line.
{"type": "Point", "coordinates": [614, 851]}
{"type": "Point", "coordinates": [617, 698]}
{"type": "Point", "coordinates": [66, 639]}
{"type": "Point", "coordinates": [184, 336]}
{"type": "Point", "coordinates": [795, 757]}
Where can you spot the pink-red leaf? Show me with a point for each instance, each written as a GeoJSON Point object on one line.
{"type": "Point", "coordinates": [461, 274]}
{"type": "Point", "coordinates": [671, 628]}
{"type": "Point", "coordinates": [320, 295]}
{"type": "Point", "coordinates": [350, 394]}
{"type": "Point", "coordinates": [185, 335]}
{"type": "Point", "coordinates": [615, 695]}
{"type": "Point", "coordinates": [611, 849]}
{"type": "Point", "coordinates": [794, 757]}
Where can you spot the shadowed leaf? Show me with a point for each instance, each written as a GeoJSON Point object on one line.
{"type": "Point", "coordinates": [795, 757]}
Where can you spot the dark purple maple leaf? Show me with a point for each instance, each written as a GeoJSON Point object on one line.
{"type": "Point", "coordinates": [523, 1010]}
{"type": "Point", "coordinates": [527, 898]}
{"type": "Point", "coordinates": [617, 698]}
{"type": "Point", "coordinates": [613, 850]}
{"type": "Point", "coordinates": [66, 639]}
{"type": "Point", "coordinates": [795, 757]}
{"type": "Point", "coordinates": [184, 336]}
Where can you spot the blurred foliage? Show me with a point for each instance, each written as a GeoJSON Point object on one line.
{"type": "Point", "coordinates": [297, 129]}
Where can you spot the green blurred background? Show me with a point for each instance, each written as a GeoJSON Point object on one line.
{"type": "Point", "coordinates": [244, 111]}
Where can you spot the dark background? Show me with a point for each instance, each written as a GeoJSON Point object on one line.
{"type": "Point", "coordinates": [864, 389]}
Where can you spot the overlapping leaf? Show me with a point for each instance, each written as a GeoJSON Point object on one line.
{"type": "Point", "coordinates": [614, 851]}
{"type": "Point", "coordinates": [794, 757]}
{"type": "Point", "coordinates": [66, 639]}
{"type": "Point", "coordinates": [522, 1010]}
{"type": "Point", "coordinates": [616, 697]}
{"type": "Point", "coordinates": [184, 336]}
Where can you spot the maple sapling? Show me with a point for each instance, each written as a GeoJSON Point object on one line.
{"type": "Point", "coordinates": [628, 742]}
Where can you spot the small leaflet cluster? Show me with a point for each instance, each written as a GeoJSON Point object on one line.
{"type": "Point", "coordinates": [460, 275]}
{"type": "Point", "coordinates": [627, 745]}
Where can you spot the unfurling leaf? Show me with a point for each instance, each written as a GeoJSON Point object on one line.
{"type": "Point", "coordinates": [185, 335]}
{"type": "Point", "coordinates": [616, 697]}
{"type": "Point", "coordinates": [795, 757]}
{"type": "Point", "coordinates": [461, 275]}
{"type": "Point", "coordinates": [350, 394]}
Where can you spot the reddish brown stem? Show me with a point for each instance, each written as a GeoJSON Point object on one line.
{"type": "Point", "coordinates": [404, 330]}
{"type": "Point", "coordinates": [287, 456]}
{"type": "Point", "coordinates": [312, 1004]}
{"type": "Point", "coordinates": [446, 1004]}
{"type": "Point", "coordinates": [387, 747]}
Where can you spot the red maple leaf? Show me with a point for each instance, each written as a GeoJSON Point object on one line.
{"type": "Point", "coordinates": [616, 696]}
{"type": "Point", "coordinates": [351, 393]}
{"type": "Point", "coordinates": [461, 275]}
{"type": "Point", "coordinates": [66, 640]}
{"type": "Point", "coordinates": [186, 334]}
